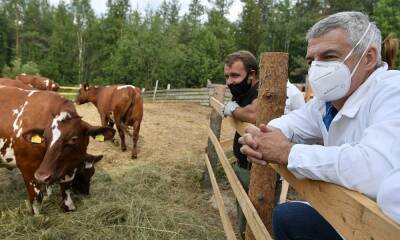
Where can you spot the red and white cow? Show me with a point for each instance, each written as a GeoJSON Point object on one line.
{"type": "Point", "coordinates": [38, 82]}
{"type": "Point", "coordinates": [119, 104]}
{"type": "Point", "coordinates": [42, 134]}
{"type": "Point", "coordinates": [14, 83]}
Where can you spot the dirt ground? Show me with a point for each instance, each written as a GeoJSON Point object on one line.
{"type": "Point", "coordinates": [169, 132]}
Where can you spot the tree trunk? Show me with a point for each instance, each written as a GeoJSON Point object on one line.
{"type": "Point", "coordinates": [271, 104]}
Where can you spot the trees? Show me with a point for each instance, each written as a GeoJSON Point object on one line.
{"type": "Point", "coordinates": [71, 44]}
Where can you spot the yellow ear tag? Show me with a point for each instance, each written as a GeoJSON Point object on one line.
{"type": "Point", "coordinates": [36, 139]}
{"type": "Point", "coordinates": [99, 138]}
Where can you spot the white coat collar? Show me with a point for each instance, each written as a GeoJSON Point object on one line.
{"type": "Point", "coordinates": [353, 103]}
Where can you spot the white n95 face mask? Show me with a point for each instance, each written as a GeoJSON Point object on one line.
{"type": "Point", "coordinates": [331, 80]}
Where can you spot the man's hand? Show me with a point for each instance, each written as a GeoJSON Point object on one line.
{"type": "Point", "coordinates": [229, 108]}
{"type": "Point", "coordinates": [265, 144]}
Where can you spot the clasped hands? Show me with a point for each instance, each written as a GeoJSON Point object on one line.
{"type": "Point", "coordinates": [265, 145]}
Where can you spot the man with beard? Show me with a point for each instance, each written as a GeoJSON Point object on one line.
{"type": "Point", "coordinates": [241, 75]}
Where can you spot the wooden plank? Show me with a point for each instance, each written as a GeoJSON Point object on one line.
{"type": "Point", "coordinates": [71, 88]}
{"type": "Point", "coordinates": [254, 220]}
{"type": "Point", "coordinates": [284, 191]}
{"type": "Point", "coordinates": [226, 144]}
{"type": "Point", "coordinates": [226, 223]}
{"type": "Point", "coordinates": [67, 94]}
{"type": "Point", "coordinates": [215, 125]}
{"type": "Point", "coordinates": [352, 214]}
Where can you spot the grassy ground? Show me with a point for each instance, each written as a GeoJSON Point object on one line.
{"type": "Point", "coordinates": [157, 196]}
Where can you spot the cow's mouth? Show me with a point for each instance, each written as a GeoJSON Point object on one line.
{"type": "Point", "coordinates": [68, 177]}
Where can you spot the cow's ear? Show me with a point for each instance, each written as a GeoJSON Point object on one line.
{"type": "Point", "coordinates": [104, 133]}
{"type": "Point", "coordinates": [34, 136]}
{"type": "Point", "coordinates": [93, 158]}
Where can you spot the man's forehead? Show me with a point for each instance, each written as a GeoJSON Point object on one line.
{"type": "Point", "coordinates": [334, 40]}
{"type": "Point", "coordinates": [236, 65]}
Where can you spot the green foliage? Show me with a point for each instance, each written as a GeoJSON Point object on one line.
{"type": "Point", "coordinates": [72, 45]}
{"type": "Point", "coordinates": [17, 67]}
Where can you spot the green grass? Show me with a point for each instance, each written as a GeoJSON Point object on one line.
{"type": "Point", "coordinates": [147, 202]}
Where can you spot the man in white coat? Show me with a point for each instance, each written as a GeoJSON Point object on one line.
{"type": "Point", "coordinates": [355, 114]}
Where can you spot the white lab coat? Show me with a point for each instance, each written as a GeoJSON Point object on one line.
{"type": "Point", "coordinates": [389, 195]}
{"type": "Point", "coordinates": [363, 143]}
{"type": "Point", "coordinates": [294, 98]}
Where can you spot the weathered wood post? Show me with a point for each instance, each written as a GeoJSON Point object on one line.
{"type": "Point", "coordinates": [215, 125]}
{"type": "Point", "coordinates": [155, 91]}
{"type": "Point", "coordinates": [271, 104]}
{"type": "Point", "coordinates": [167, 92]}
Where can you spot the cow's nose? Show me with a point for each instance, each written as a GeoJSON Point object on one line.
{"type": "Point", "coordinates": [42, 177]}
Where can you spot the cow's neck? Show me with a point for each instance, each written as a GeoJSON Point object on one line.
{"type": "Point", "coordinates": [93, 95]}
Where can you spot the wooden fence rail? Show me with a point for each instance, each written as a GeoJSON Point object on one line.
{"type": "Point", "coordinates": [352, 214]}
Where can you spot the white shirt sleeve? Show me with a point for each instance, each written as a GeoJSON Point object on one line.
{"type": "Point", "coordinates": [388, 196]}
{"type": "Point", "coordinates": [298, 126]}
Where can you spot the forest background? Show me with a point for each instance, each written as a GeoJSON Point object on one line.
{"type": "Point", "coordinates": [71, 44]}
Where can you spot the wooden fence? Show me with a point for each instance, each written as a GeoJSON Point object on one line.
{"type": "Point", "coordinates": [352, 214]}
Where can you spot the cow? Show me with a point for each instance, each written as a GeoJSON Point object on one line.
{"type": "Point", "coordinates": [119, 104]}
{"type": "Point", "coordinates": [38, 82]}
{"type": "Point", "coordinates": [44, 137]}
{"type": "Point", "coordinates": [14, 83]}
{"type": "Point", "coordinates": [84, 173]}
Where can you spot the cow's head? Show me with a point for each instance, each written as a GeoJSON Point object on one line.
{"type": "Point", "coordinates": [81, 182]}
{"type": "Point", "coordinates": [43, 83]}
{"type": "Point", "coordinates": [54, 86]}
{"type": "Point", "coordinates": [83, 94]}
{"type": "Point", "coordinates": [66, 139]}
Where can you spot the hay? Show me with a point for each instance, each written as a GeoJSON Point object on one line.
{"type": "Point", "coordinates": [150, 202]}
{"type": "Point", "coordinates": [157, 196]}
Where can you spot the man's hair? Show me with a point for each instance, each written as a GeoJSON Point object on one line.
{"type": "Point", "coordinates": [355, 24]}
{"type": "Point", "coordinates": [246, 57]}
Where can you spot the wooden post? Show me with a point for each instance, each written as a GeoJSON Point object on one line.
{"type": "Point", "coordinates": [215, 125]}
{"type": "Point", "coordinates": [167, 92]}
{"type": "Point", "coordinates": [155, 91]}
{"type": "Point", "coordinates": [271, 104]}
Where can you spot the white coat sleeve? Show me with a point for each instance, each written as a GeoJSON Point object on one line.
{"type": "Point", "coordinates": [301, 125]}
{"type": "Point", "coordinates": [363, 165]}
{"type": "Point", "coordinates": [388, 196]}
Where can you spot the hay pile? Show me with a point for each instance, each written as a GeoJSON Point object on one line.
{"type": "Point", "coordinates": [156, 196]}
{"type": "Point", "coordinates": [149, 202]}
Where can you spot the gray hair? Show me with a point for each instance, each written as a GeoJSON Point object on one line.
{"type": "Point", "coordinates": [355, 24]}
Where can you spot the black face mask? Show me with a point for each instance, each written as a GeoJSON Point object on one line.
{"type": "Point", "coordinates": [240, 88]}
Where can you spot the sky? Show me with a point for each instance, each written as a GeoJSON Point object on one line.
{"type": "Point", "coordinates": [99, 6]}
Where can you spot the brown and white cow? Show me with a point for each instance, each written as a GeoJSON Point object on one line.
{"type": "Point", "coordinates": [81, 181]}
{"type": "Point", "coordinates": [38, 82]}
{"type": "Point", "coordinates": [42, 134]}
{"type": "Point", "coordinates": [14, 83]}
{"type": "Point", "coordinates": [119, 104]}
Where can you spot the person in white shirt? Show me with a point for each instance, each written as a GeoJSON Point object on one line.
{"type": "Point", "coordinates": [294, 98]}
{"type": "Point", "coordinates": [355, 113]}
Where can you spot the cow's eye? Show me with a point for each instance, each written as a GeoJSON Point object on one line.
{"type": "Point", "coordinates": [73, 140]}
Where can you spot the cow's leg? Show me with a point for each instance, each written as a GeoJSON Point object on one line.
{"type": "Point", "coordinates": [66, 203]}
{"type": "Point", "coordinates": [35, 193]}
{"type": "Point", "coordinates": [103, 119]}
{"type": "Point", "coordinates": [135, 138]}
{"type": "Point", "coordinates": [121, 135]}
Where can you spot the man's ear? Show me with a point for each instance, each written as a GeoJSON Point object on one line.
{"type": "Point", "coordinates": [34, 136]}
{"type": "Point", "coordinates": [371, 58]}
